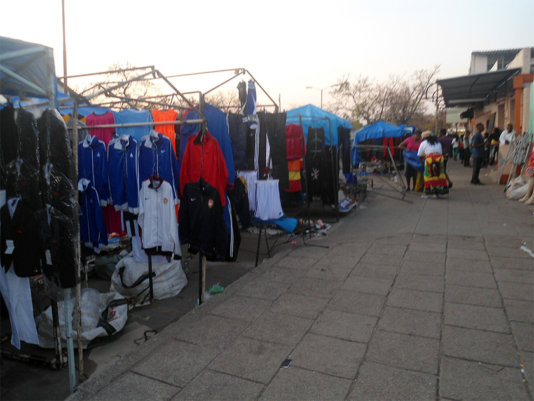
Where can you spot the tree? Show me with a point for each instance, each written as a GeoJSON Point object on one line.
{"type": "Point", "coordinates": [227, 101]}
{"type": "Point", "coordinates": [397, 101]}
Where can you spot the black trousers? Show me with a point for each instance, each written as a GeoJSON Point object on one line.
{"type": "Point", "coordinates": [477, 163]}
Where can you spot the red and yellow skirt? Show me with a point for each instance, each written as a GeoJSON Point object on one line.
{"type": "Point", "coordinates": [434, 175]}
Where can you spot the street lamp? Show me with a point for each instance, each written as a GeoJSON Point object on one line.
{"type": "Point", "coordinates": [321, 89]}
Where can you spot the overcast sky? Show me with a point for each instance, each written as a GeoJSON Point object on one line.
{"type": "Point", "coordinates": [287, 45]}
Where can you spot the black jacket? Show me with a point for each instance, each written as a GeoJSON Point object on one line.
{"type": "Point", "coordinates": [23, 230]}
{"type": "Point", "coordinates": [201, 219]}
{"type": "Point", "coordinates": [57, 239]}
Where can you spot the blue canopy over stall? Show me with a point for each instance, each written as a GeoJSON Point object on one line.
{"type": "Point", "coordinates": [313, 116]}
{"type": "Point", "coordinates": [378, 130]}
{"type": "Point", "coordinates": [27, 70]}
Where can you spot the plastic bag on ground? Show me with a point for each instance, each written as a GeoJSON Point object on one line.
{"type": "Point", "coordinates": [130, 278]}
{"type": "Point", "coordinates": [103, 315]}
{"type": "Point", "coordinates": [517, 188]}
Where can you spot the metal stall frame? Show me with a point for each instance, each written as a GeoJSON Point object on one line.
{"type": "Point", "coordinates": [81, 101]}
{"type": "Point", "coordinates": [403, 189]}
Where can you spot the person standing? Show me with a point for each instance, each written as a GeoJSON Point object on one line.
{"type": "Point", "coordinates": [411, 144]}
{"type": "Point", "coordinates": [494, 145]}
{"type": "Point", "coordinates": [467, 152]}
{"type": "Point", "coordinates": [431, 153]}
{"type": "Point", "coordinates": [446, 149]}
{"type": "Point", "coordinates": [477, 146]}
{"type": "Point", "coordinates": [507, 135]}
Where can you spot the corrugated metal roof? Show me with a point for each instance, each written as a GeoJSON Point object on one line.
{"type": "Point", "coordinates": [478, 88]}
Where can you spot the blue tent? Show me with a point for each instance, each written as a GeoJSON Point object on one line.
{"type": "Point", "coordinates": [27, 70]}
{"type": "Point", "coordinates": [313, 116]}
{"type": "Point", "coordinates": [378, 130]}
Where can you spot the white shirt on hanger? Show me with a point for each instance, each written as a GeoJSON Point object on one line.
{"type": "Point", "coordinates": [157, 217]}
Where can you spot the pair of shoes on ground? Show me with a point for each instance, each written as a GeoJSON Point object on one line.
{"type": "Point", "coordinates": [476, 183]}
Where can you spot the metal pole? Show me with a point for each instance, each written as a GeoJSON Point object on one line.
{"type": "Point", "coordinates": [77, 250]}
{"type": "Point", "coordinates": [57, 334]}
{"type": "Point", "coordinates": [67, 304]}
{"type": "Point", "coordinates": [321, 98]}
{"type": "Point", "coordinates": [64, 44]}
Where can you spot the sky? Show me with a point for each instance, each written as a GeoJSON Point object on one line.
{"type": "Point", "coordinates": [287, 45]}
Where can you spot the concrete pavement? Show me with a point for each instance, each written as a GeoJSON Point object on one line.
{"type": "Point", "coordinates": [420, 300]}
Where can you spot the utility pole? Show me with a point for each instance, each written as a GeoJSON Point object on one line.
{"type": "Point", "coordinates": [64, 46]}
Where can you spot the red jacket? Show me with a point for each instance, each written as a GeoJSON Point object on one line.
{"type": "Point", "coordinates": [295, 146]}
{"type": "Point", "coordinates": [207, 157]}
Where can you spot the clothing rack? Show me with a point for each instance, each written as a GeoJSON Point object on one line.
{"type": "Point", "coordinates": [81, 101]}
{"type": "Point", "coordinates": [403, 189]}
{"type": "Point", "coordinates": [335, 163]}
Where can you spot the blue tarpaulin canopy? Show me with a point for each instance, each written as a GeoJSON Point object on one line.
{"type": "Point", "coordinates": [378, 130]}
{"type": "Point", "coordinates": [313, 116]}
{"type": "Point", "coordinates": [27, 70]}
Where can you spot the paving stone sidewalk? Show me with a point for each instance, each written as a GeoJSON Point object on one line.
{"type": "Point", "coordinates": [412, 300]}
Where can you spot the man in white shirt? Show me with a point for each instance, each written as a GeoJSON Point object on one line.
{"type": "Point", "coordinates": [507, 135]}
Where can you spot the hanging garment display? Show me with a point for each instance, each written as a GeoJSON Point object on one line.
{"type": "Point", "coordinates": [92, 165]}
{"type": "Point", "coordinates": [273, 136]}
{"type": "Point", "coordinates": [168, 130]}
{"type": "Point", "coordinates": [156, 157]}
{"type": "Point", "coordinates": [54, 143]}
{"type": "Point", "coordinates": [131, 226]}
{"type": "Point", "coordinates": [19, 237]}
{"type": "Point", "coordinates": [295, 144]}
{"type": "Point", "coordinates": [250, 178]}
{"type": "Point", "coordinates": [123, 167]}
{"type": "Point", "coordinates": [157, 216]}
{"type": "Point", "coordinates": [238, 130]}
{"type": "Point", "coordinates": [294, 167]}
{"type": "Point", "coordinates": [239, 197]}
{"type": "Point", "coordinates": [9, 134]}
{"type": "Point", "coordinates": [242, 93]}
{"type": "Point", "coordinates": [268, 206]}
{"type": "Point", "coordinates": [234, 235]}
{"type": "Point", "coordinates": [344, 142]}
{"type": "Point", "coordinates": [319, 172]}
{"type": "Point", "coordinates": [24, 180]}
{"type": "Point", "coordinates": [92, 228]}
{"type": "Point", "coordinates": [57, 239]}
{"type": "Point", "coordinates": [58, 190]}
{"type": "Point", "coordinates": [29, 137]}
{"type": "Point", "coordinates": [202, 224]}
{"type": "Point", "coordinates": [127, 116]}
{"type": "Point", "coordinates": [18, 299]}
{"type": "Point", "coordinates": [218, 128]}
{"type": "Point", "coordinates": [204, 161]}
{"type": "Point", "coordinates": [104, 134]}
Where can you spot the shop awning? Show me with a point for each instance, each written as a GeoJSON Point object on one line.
{"type": "Point", "coordinates": [27, 69]}
{"type": "Point", "coordinates": [478, 88]}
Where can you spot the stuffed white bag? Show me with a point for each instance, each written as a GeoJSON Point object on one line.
{"type": "Point", "coordinates": [103, 315]}
{"type": "Point", "coordinates": [130, 278]}
{"type": "Point", "coordinates": [517, 188]}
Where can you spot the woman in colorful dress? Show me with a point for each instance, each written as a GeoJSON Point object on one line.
{"type": "Point", "coordinates": [434, 175]}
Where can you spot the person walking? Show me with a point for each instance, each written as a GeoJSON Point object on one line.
{"type": "Point", "coordinates": [455, 145]}
{"type": "Point", "coordinates": [430, 152]}
{"type": "Point", "coordinates": [467, 152]}
{"type": "Point", "coordinates": [411, 144]}
{"type": "Point", "coordinates": [446, 149]}
{"type": "Point", "coordinates": [477, 146]}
